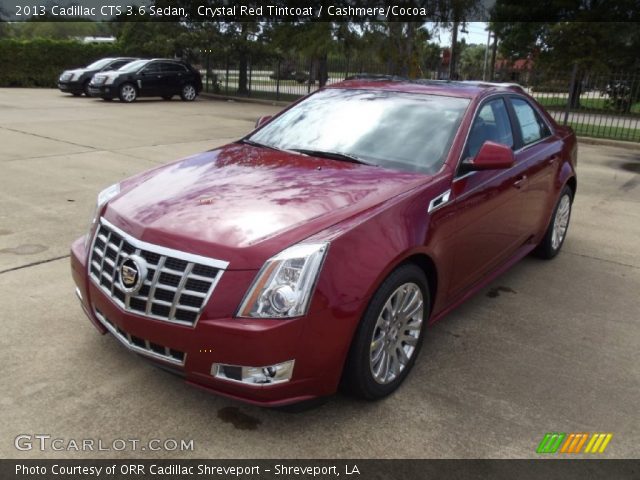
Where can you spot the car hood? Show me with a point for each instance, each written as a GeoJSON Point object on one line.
{"type": "Point", "coordinates": [77, 70]}
{"type": "Point", "coordinates": [243, 204]}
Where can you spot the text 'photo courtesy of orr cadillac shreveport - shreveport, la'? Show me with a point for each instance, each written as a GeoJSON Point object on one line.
{"type": "Point", "coordinates": [313, 253]}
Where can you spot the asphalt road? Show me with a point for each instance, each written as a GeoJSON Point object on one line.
{"type": "Point", "coordinates": [549, 346]}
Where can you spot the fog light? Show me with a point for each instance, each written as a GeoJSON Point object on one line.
{"type": "Point", "coordinates": [257, 376]}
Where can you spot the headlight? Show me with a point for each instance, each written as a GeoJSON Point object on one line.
{"type": "Point", "coordinates": [103, 197]}
{"type": "Point", "coordinates": [75, 76]}
{"type": "Point", "coordinates": [285, 284]}
{"type": "Point", "coordinates": [109, 80]}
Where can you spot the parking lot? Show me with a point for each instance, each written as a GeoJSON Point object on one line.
{"type": "Point", "coordinates": [548, 347]}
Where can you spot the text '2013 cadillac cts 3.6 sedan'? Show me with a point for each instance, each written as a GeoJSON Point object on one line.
{"type": "Point", "coordinates": [320, 247]}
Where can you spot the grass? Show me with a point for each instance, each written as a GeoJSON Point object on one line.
{"type": "Point", "coordinates": [595, 105]}
{"type": "Point", "coordinates": [606, 131]}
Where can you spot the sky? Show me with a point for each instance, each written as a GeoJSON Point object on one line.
{"type": "Point", "coordinates": [477, 34]}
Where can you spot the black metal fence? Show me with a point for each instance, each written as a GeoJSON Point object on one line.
{"type": "Point", "coordinates": [605, 105]}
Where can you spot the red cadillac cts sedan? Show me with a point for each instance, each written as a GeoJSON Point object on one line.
{"type": "Point", "coordinates": [316, 251]}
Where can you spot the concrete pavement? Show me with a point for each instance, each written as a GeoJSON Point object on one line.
{"type": "Point", "coordinates": [549, 346]}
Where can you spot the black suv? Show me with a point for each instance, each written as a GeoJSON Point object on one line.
{"type": "Point", "coordinates": [77, 81]}
{"type": "Point", "coordinates": [148, 78]}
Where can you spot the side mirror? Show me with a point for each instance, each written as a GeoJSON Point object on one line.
{"type": "Point", "coordinates": [491, 156]}
{"type": "Point", "coordinates": [262, 120]}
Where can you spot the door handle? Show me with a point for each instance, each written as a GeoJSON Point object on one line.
{"type": "Point", "coordinates": [520, 181]}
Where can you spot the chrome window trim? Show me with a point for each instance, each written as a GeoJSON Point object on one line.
{"type": "Point", "coordinates": [505, 96]}
{"type": "Point", "coordinates": [126, 341]}
{"type": "Point", "coordinates": [162, 251]}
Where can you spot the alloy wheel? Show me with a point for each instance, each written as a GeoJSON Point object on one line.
{"type": "Point", "coordinates": [396, 333]}
{"type": "Point", "coordinates": [561, 222]}
{"type": "Point", "coordinates": [189, 92]}
{"type": "Point", "coordinates": [128, 93]}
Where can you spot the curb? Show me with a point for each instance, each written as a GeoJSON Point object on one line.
{"type": "Point", "coordinates": [609, 143]}
{"type": "Point", "coordinates": [273, 103]}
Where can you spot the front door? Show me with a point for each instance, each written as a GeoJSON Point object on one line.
{"type": "Point", "coordinates": [150, 80]}
{"type": "Point", "coordinates": [487, 203]}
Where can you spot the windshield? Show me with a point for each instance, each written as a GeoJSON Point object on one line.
{"type": "Point", "coordinates": [411, 132]}
{"type": "Point", "coordinates": [98, 64]}
{"type": "Point", "coordinates": [133, 66]}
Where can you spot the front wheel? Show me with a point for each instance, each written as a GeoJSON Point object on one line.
{"type": "Point", "coordinates": [128, 93]}
{"type": "Point", "coordinates": [557, 229]}
{"type": "Point", "coordinates": [188, 93]}
{"type": "Point", "coordinates": [390, 334]}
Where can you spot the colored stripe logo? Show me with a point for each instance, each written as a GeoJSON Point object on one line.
{"type": "Point", "coordinates": [574, 442]}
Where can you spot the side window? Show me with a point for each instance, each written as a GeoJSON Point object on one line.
{"type": "Point", "coordinates": [173, 67]}
{"type": "Point", "coordinates": [118, 64]}
{"type": "Point", "coordinates": [532, 127]}
{"type": "Point", "coordinates": [152, 68]}
{"type": "Point", "coordinates": [491, 123]}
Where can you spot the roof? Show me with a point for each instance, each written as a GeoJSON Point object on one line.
{"type": "Point", "coordinates": [465, 89]}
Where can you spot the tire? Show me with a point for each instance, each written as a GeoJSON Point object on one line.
{"type": "Point", "coordinates": [167, 97]}
{"type": "Point", "coordinates": [127, 93]}
{"type": "Point", "coordinates": [76, 94]}
{"type": "Point", "coordinates": [557, 230]}
{"type": "Point", "coordinates": [374, 368]}
{"type": "Point", "coordinates": [188, 93]}
{"type": "Point", "coordinates": [85, 88]}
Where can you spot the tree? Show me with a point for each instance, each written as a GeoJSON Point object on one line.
{"type": "Point", "coordinates": [472, 61]}
{"type": "Point", "coordinates": [586, 36]}
{"type": "Point", "coordinates": [151, 39]}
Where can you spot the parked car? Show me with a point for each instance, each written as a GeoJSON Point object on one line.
{"type": "Point", "coordinates": [77, 81]}
{"type": "Point", "coordinates": [319, 248]}
{"type": "Point", "coordinates": [148, 78]}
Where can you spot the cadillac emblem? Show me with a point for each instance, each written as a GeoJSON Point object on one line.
{"type": "Point", "coordinates": [133, 271]}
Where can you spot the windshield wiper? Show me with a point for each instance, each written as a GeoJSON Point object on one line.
{"type": "Point", "coordinates": [246, 141]}
{"type": "Point", "coordinates": [345, 157]}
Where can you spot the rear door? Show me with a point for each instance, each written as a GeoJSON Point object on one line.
{"type": "Point", "coordinates": [488, 203]}
{"type": "Point", "coordinates": [176, 74]}
{"type": "Point", "coordinates": [540, 151]}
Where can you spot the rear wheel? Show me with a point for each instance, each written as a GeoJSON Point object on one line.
{"type": "Point", "coordinates": [390, 334]}
{"type": "Point", "coordinates": [557, 231]}
{"type": "Point", "coordinates": [128, 93]}
{"type": "Point", "coordinates": [188, 93]}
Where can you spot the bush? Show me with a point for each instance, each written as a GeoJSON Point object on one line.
{"type": "Point", "coordinates": [39, 62]}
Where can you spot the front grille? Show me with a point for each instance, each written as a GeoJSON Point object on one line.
{"type": "Point", "coordinates": [176, 288]}
{"type": "Point", "coordinates": [141, 345]}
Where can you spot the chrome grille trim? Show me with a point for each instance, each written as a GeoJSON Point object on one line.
{"type": "Point", "coordinates": [188, 289]}
{"type": "Point", "coordinates": [127, 341]}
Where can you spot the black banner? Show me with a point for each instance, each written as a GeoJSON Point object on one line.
{"type": "Point", "coordinates": [320, 11]}
{"type": "Point", "coordinates": [321, 469]}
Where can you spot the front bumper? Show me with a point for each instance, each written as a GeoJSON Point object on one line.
{"type": "Point", "coordinates": [317, 343]}
{"type": "Point", "coordinates": [102, 91]}
{"type": "Point", "coordinates": [70, 87]}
